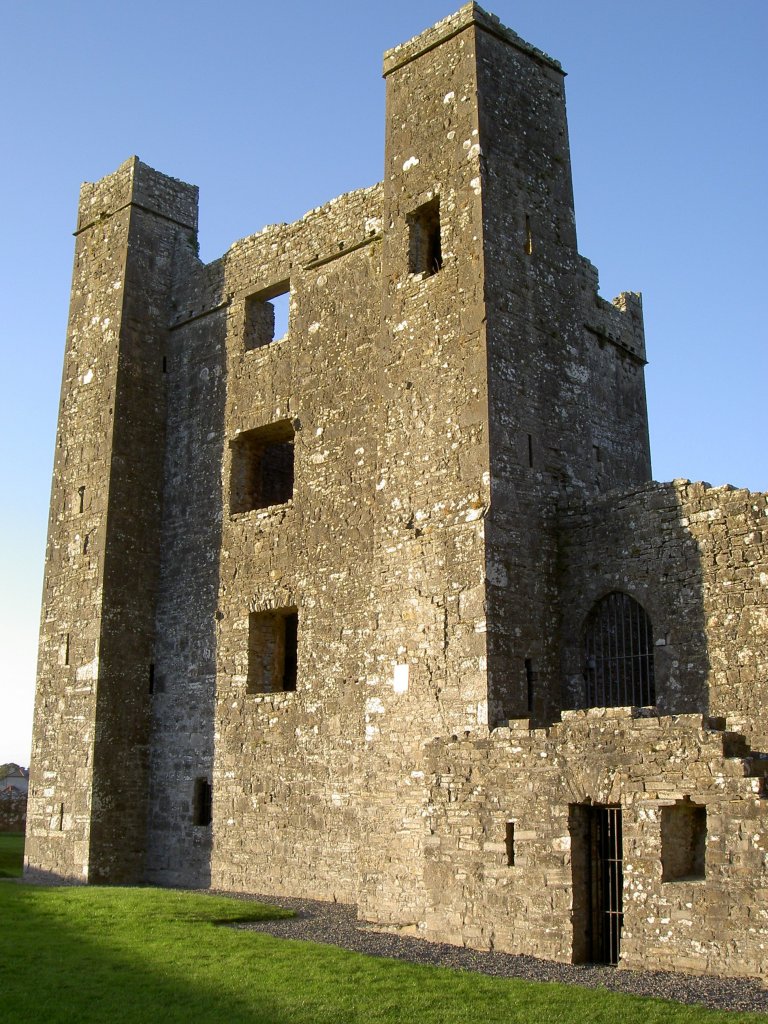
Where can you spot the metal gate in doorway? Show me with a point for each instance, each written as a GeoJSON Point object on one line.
{"type": "Point", "coordinates": [598, 879]}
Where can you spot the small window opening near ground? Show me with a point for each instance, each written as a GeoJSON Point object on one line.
{"type": "Point", "coordinates": [262, 467]}
{"type": "Point", "coordinates": [618, 651]}
{"type": "Point", "coordinates": [273, 640]}
{"type": "Point", "coordinates": [203, 802]}
{"type": "Point", "coordinates": [683, 842]}
{"type": "Point", "coordinates": [267, 315]}
{"type": "Point", "coordinates": [509, 841]}
{"type": "Point", "coordinates": [425, 250]}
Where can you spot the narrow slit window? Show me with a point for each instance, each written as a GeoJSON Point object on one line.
{"type": "Point", "coordinates": [530, 451]}
{"type": "Point", "coordinates": [267, 315]}
{"type": "Point", "coordinates": [61, 817]}
{"type": "Point", "coordinates": [262, 467]}
{"type": "Point", "coordinates": [81, 497]}
{"type": "Point", "coordinates": [425, 247]}
{"type": "Point", "coordinates": [203, 803]}
{"type": "Point", "coordinates": [273, 651]}
{"type": "Point", "coordinates": [65, 649]}
{"type": "Point", "coordinates": [528, 236]}
{"type": "Point", "coordinates": [509, 842]}
{"type": "Point", "coordinates": [529, 681]}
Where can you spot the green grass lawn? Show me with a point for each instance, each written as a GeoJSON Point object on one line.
{"type": "Point", "coordinates": [11, 854]}
{"type": "Point", "coordinates": [147, 955]}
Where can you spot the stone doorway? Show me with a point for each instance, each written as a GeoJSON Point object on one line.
{"type": "Point", "coordinates": [598, 879]}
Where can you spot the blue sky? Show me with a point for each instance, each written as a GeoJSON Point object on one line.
{"type": "Point", "coordinates": [275, 108]}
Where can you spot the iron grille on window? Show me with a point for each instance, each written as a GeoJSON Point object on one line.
{"type": "Point", "coordinates": [618, 645]}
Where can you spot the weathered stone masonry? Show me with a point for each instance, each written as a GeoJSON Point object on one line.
{"type": "Point", "coordinates": [326, 613]}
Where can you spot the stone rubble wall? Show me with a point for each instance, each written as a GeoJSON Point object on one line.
{"type": "Point", "coordinates": [696, 558]}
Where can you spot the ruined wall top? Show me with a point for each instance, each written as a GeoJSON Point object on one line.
{"type": "Point", "coordinates": [138, 184]}
{"type": "Point", "coordinates": [469, 14]}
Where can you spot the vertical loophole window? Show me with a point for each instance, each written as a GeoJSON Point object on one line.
{"type": "Point", "coordinates": [509, 843]}
{"type": "Point", "coordinates": [81, 498]}
{"type": "Point", "coordinates": [529, 681]}
{"type": "Point", "coordinates": [65, 650]}
{"type": "Point", "coordinates": [618, 649]}
{"type": "Point", "coordinates": [203, 802]}
{"type": "Point", "coordinates": [528, 236]}
{"type": "Point", "coordinates": [425, 248]}
{"type": "Point", "coordinates": [530, 451]}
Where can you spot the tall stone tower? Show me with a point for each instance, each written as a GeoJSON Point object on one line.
{"type": "Point", "coordinates": [88, 805]}
{"type": "Point", "coordinates": [381, 606]}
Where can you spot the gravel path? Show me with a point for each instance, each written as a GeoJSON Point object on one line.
{"type": "Point", "coordinates": [335, 924]}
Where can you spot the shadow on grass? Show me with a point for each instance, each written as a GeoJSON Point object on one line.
{"type": "Point", "coordinates": [11, 854]}
{"type": "Point", "coordinates": [64, 963]}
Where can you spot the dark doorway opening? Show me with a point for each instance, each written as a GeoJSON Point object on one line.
{"type": "Point", "coordinates": [598, 878]}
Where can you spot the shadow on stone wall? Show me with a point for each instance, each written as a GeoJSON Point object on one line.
{"type": "Point", "coordinates": [183, 712]}
{"type": "Point", "coordinates": [636, 543]}
{"type": "Point", "coordinates": [695, 557]}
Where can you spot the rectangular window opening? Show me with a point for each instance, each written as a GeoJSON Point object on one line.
{"type": "Point", "coordinates": [273, 647]}
{"type": "Point", "coordinates": [262, 467]}
{"type": "Point", "coordinates": [65, 650]}
{"type": "Point", "coordinates": [267, 315]}
{"type": "Point", "coordinates": [509, 842]}
{"type": "Point", "coordinates": [81, 495]}
{"type": "Point", "coordinates": [425, 249]}
{"type": "Point", "coordinates": [61, 817]}
{"type": "Point", "coordinates": [530, 451]}
{"type": "Point", "coordinates": [202, 811]}
{"type": "Point", "coordinates": [683, 842]}
{"type": "Point", "coordinates": [529, 681]}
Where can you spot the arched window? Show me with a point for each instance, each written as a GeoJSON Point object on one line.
{"type": "Point", "coordinates": [618, 646]}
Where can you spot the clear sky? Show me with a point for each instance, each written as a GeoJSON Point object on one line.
{"type": "Point", "coordinates": [274, 108]}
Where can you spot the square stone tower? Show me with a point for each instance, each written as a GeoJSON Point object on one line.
{"type": "Point", "coordinates": [357, 584]}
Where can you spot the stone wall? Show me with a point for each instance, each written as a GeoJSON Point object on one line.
{"type": "Point", "coordinates": [696, 558]}
{"type": "Point", "coordinates": [315, 602]}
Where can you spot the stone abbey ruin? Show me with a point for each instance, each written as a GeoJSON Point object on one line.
{"type": "Point", "coordinates": [387, 609]}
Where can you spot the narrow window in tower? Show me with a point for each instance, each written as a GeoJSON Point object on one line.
{"type": "Point", "coordinates": [529, 680]}
{"type": "Point", "coordinates": [530, 451]}
{"type": "Point", "coordinates": [598, 453]}
{"type": "Point", "coordinates": [86, 543]}
{"type": "Point", "coordinates": [81, 495]}
{"type": "Point", "coordinates": [203, 803]}
{"type": "Point", "coordinates": [528, 236]}
{"type": "Point", "coordinates": [273, 645]}
{"type": "Point", "coordinates": [509, 842]}
{"type": "Point", "coordinates": [425, 250]}
{"type": "Point", "coordinates": [165, 364]}
{"type": "Point", "coordinates": [262, 467]}
{"type": "Point", "coordinates": [65, 650]}
{"type": "Point", "coordinates": [61, 817]}
{"type": "Point", "coordinates": [267, 315]}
